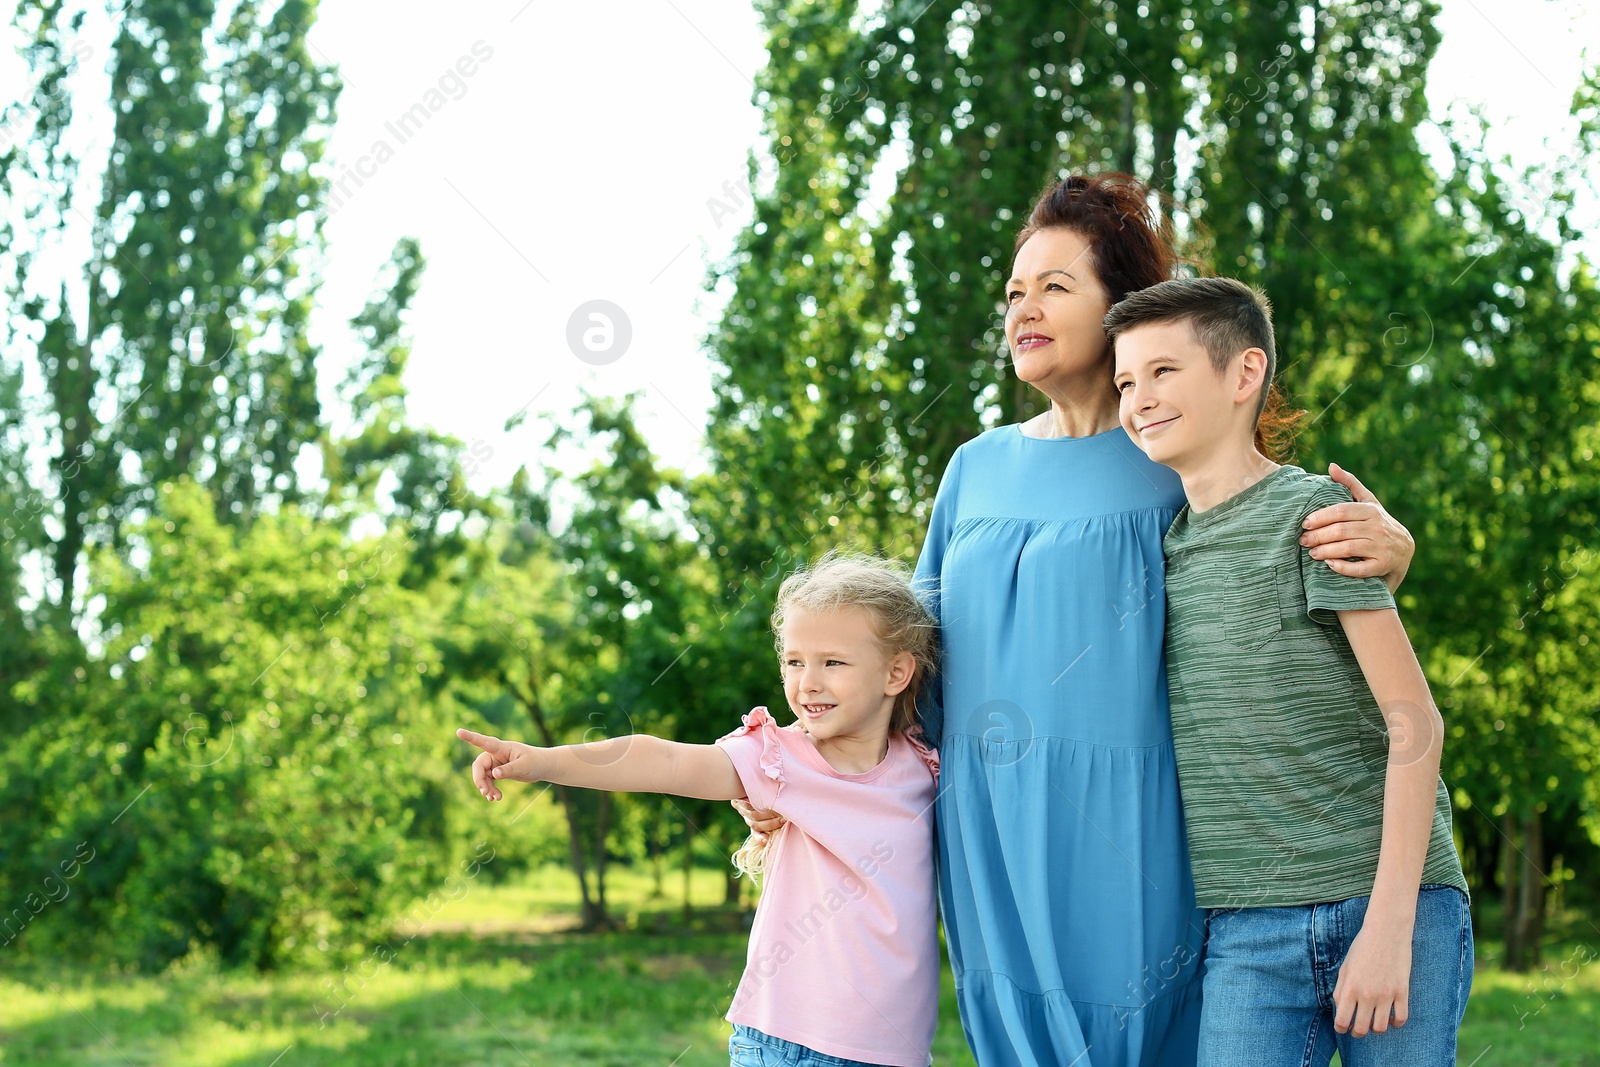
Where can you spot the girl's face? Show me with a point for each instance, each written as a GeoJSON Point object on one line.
{"type": "Point", "coordinates": [840, 683]}
{"type": "Point", "coordinates": [1055, 310]}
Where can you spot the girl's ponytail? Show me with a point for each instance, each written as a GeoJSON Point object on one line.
{"type": "Point", "coordinates": [751, 859]}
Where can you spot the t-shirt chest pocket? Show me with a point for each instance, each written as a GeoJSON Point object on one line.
{"type": "Point", "coordinates": [1253, 609]}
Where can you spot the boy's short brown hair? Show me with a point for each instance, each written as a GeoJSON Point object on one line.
{"type": "Point", "coordinates": [1227, 317]}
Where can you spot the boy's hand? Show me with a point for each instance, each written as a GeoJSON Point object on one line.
{"type": "Point", "coordinates": [1374, 981]}
{"type": "Point", "coordinates": [501, 760]}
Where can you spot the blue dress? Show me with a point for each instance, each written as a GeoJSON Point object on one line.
{"type": "Point", "coordinates": [1063, 870]}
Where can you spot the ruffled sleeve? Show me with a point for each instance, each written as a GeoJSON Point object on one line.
{"type": "Point", "coordinates": [928, 755]}
{"type": "Point", "coordinates": [756, 750]}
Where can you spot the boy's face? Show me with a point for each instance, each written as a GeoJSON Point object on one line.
{"type": "Point", "coordinates": [1174, 404]}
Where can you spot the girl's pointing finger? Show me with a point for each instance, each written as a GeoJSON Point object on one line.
{"type": "Point", "coordinates": [483, 741]}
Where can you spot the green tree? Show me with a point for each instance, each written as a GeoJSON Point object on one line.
{"type": "Point", "coordinates": [588, 627]}
{"type": "Point", "coordinates": [181, 357]}
{"type": "Point", "coordinates": [644, 596]}
{"type": "Point", "coordinates": [182, 347]}
{"type": "Point", "coordinates": [1478, 417]}
{"type": "Point", "coordinates": [255, 732]}
{"type": "Point", "coordinates": [386, 465]}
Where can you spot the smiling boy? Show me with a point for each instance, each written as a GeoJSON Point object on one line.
{"type": "Point", "coordinates": [1307, 741]}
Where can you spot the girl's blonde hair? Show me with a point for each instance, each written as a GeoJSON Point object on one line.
{"type": "Point", "coordinates": [902, 623]}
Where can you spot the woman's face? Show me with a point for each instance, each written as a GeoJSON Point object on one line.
{"type": "Point", "coordinates": [1055, 309]}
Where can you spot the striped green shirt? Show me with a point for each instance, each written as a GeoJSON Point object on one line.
{"type": "Point", "coordinates": [1282, 752]}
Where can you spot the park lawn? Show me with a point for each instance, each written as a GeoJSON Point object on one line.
{"type": "Point", "coordinates": [1547, 1018]}
{"type": "Point", "coordinates": [446, 999]}
{"type": "Point", "coordinates": [495, 980]}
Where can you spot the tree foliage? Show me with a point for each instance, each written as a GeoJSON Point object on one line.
{"type": "Point", "coordinates": [250, 759]}
{"type": "Point", "coordinates": [182, 347]}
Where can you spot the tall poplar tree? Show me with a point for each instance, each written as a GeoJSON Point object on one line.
{"type": "Point", "coordinates": [179, 345]}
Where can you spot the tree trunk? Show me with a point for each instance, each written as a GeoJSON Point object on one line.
{"type": "Point", "coordinates": [731, 882]}
{"type": "Point", "coordinates": [1530, 896]}
{"type": "Point", "coordinates": [80, 468]}
{"type": "Point", "coordinates": [657, 852]}
{"type": "Point", "coordinates": [591, 912]}
{"type": "Point", "coordinates": [688, 865]}
{"type": "Point", "coordinates": [1522, 861]}
{"type": "Point", "coordinates": [600, 859]}
{"type": "Point", "coordinates": [1509, 869]}
{"type": "Point", "coordinates": [1127, 150]}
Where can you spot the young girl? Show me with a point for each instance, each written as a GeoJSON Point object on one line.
{"type": "Point", "coordinates": [843, 965]}
{"type": "Point", "coordinates": [1307, 741]}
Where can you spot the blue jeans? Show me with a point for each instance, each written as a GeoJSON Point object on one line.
{"type": "Point", "coordinates": [752, 1048]}
{"type": "Point", "coordinates": [1270, 974]}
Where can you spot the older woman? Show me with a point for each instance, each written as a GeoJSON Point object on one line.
{"type": "Point", "coordinates": [1064, 878]}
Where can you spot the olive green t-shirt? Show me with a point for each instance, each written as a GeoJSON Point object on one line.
{"type": "Point", "coordinates": [1282, 752]}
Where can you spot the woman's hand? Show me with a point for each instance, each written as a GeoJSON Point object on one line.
{"type": "Point", "coordinates": [1359, 539]}
{"type": "Point", "coordinates": [1373, 983]}
{"type": "Point", "coordinates": [501, 760]}
{"type": "Point", "coordinates": [762, 821]}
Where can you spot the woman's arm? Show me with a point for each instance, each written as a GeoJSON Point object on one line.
{"type": "Point", "coordinates": [1376, 974]}
{"type": "Point", "coordinates": [1360, 538]}
{"type": "Point", "coordinates": [637, 763]}
{"type": "Point", "coordinates": [760, 820]}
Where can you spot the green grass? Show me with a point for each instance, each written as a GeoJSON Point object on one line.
{"type": "Point", "coordinates": [498, 978]}
{"type": "Point", "coordinates": [447, 999]}
{"type": "Point", "coordinates": [1549, 1017]}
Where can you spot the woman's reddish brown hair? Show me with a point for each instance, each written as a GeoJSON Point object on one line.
{"type": "Point", "coordinates": [1116, 214]}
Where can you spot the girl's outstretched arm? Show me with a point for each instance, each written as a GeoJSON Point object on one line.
{"type": "Point", "coordinates": [637, 763]}
{"type": "Point", "coordinates": [1374, 980]}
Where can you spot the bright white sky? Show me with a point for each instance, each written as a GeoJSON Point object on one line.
{"type": "Point", "coordinates": [576, 166]}
{"type": "Point", "coordinates": [580, 159]}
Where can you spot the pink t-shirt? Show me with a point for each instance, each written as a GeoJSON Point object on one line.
{"type": "Point", "coordinates": [844, 953]}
